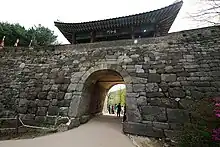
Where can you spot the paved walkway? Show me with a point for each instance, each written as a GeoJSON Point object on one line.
{"type": "Point", "coordinates": [103, 131]}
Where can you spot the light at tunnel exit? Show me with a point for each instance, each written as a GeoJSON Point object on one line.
{"type": "Point", "coordinates": [117, 87]}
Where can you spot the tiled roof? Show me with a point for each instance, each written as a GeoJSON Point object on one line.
{"type": "Point", "coordinates": [164, 17]}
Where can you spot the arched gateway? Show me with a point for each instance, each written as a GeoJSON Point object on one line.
{"type": "Point", "coordinates": [93, 87]}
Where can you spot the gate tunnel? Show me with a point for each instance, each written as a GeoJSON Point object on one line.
{"type": "Point", "coordinates": [95, 90]}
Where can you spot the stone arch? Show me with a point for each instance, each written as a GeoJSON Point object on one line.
{"type": "Point", "coordinates": [114, 67]}
{"type": "Point", "coordinates": [77, 109]}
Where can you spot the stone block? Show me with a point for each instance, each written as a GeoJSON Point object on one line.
{"type": "Point", "coordinates": [174, 84]}
{"type": "Point", "coordinates": [62, 120]}
{"type": "Point", "coordinates": [169, 103]}
{"type": "Point", "coordinates": [32, 95]}
{"type": "Point", "coordinates": [197, 95]}
{"type": "Point", "coordinates": [142, 94]}
{"type": "Point", "coordinates": [191, 66]}
{"type": "Point", "coordinates": [152, 87]}
{"type": "Point", "coordinates": [129, 88]}
{"type": "Point", "coordinates": [142, 100]}
{"type": "Point", "coordinates": [68, 96]}
{"type": "Point", "coordinates": [215, 84]}
{"type": "Point", "coordinates": [168, 77]}
{"type": "Point", "coordinates": [142, 130]}
{"type": "Point", "coordinates": [32, 104]}
{"type": "Point", "coordinates": [193, 78]}
{"type": "Point", "coordinates": [154, 78]}
{"type": "Point", "coordinates": [154, 101]}
{"type": "Point", "coordinates": [42, 103]}
{"type": "Point", "coordinates": [186, 103]}
{"type": "Point", "coordinates": [177, 115]}
{"type": "Point", "coordinates": [155, 94]}
{"type": "Point", "coordinates": [63, 87]}
{"type": "Point", "coordinates": [134, 115]}
{"type": "Point", "coordinates": [176, 92]}
{"type": "Point", "coordinates": [42, 95]}
{"type": "Point", "coordinates": [74, 106]}
{"type": "Point", "coordinates": [63, 103]}
{"type": "Point", "coordinates": [176, 126]}
{"type": "Point", "coordinates": [137, 80]}
{"type": "Point", "coordinates": [79, 87]}
{"type": "Point", "coordinates": [46, 87]}
{"type": "Point", "coordinates": [63, 111]}
{"type": "Point", "coordinates": [206, 79]}
{"type": "Point", "coordinates": [32, 110]}
{"type": "Point", "coordinates": [138, 87]}
{"type": "Point", "coordinates": [60, 95]}
{"type": "Point", "coordinates": [131, 103]}
{"type": "Point", "coordinates": [72, 87]}
{"type": "Point", "coordinates": [40, 119]}
{"type": "Point", "coordinates": [51, 95]}
{"type": "Point", "coordinates": [60, 79]}
{"type": "Point", "coordinates": [22, 110]}
{"type": "Point", "coordinates": [183, 74]}
{"type": "Point", "coordinates": [152, 71]}
{"type": "Point", "coordinates": [206, 89]}
{"type": "Point", "coordinates": [168, 69]}
{"type": "Point", "coordinates": [146, 59]}
{"type": "Point", "coordinates": [53, 110]}
{"type": "Point", "coordinates": [27, 116]}
{"type": "Point", "coordinates": [161, 125]}
{"type": "Point", "coordinates": [75, 80]}
{"type": "Point", "coordinates": [41, 111]}
{"type": "Point", "coordinates": [83, 119]}
{"type": "Point", "coordinates": [139, 70]}
{"type": "Point", "coordinates": [54, 102]}
{"type": "Point", "coordinates": [153, 113]}
{"type": "Point", "coordinates": [164, 86]}
{"type": "Point", "coordinates": [8, 122]}
{"type": "Point", "coordinates": [74, 122]}
{"type": "Point", "coordinates": [54, 87]}
{"type": "Point", "coordinates": [23, 103]}
{"type": "Point", "coordinates": [78, 74]}
{"type": "Point", "coordinates": [51, 120]}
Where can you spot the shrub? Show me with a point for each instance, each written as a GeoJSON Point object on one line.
{"type": "Point", "coordinates": [204, 129]}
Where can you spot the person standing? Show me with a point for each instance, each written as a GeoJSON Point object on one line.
{"type": "Point", "coordinates": [118, 110]}
{"type": "Point", "coordinates": [113, 112]}
{"type": "Point", "coordinates": [109, 109]}
{"type": "Point", "coordinates": [115, 107]}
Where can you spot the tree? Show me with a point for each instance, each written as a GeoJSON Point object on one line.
{"type": "Point", "coordinates": [116, 97]}
{"type": "Point", "coordinates": [40, 35]}
{"type": "Point", "coordinates": [209, 12]}
{"type": "Point", "coordinates": [121, 95]}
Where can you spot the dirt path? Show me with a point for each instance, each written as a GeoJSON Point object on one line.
{"type": "Point", "coordinates": [103, 131]}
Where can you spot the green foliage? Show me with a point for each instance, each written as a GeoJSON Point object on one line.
{"type": "Point", "coordinates": [199, 132]}
{"type": "Point", "coordinates": [116, 97]}
{"type": "Point", "coordinates": [40, 35]}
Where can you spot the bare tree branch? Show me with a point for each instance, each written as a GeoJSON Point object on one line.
{"type": "Point", "coordinates": [209, 12]}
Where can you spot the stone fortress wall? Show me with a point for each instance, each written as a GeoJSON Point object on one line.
{"type": "Point", "coordinates": [163, 76]}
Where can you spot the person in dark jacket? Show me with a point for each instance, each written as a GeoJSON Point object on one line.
{"type": "Point", "coordinates": [118, 110]}
{"type": "Point", "coordinates": [109, 109]}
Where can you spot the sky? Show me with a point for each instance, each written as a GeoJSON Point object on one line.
{"type": "Point", "coordinates": [117, 87]}
{"type": "Point", "coordinates": [33, 12]}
